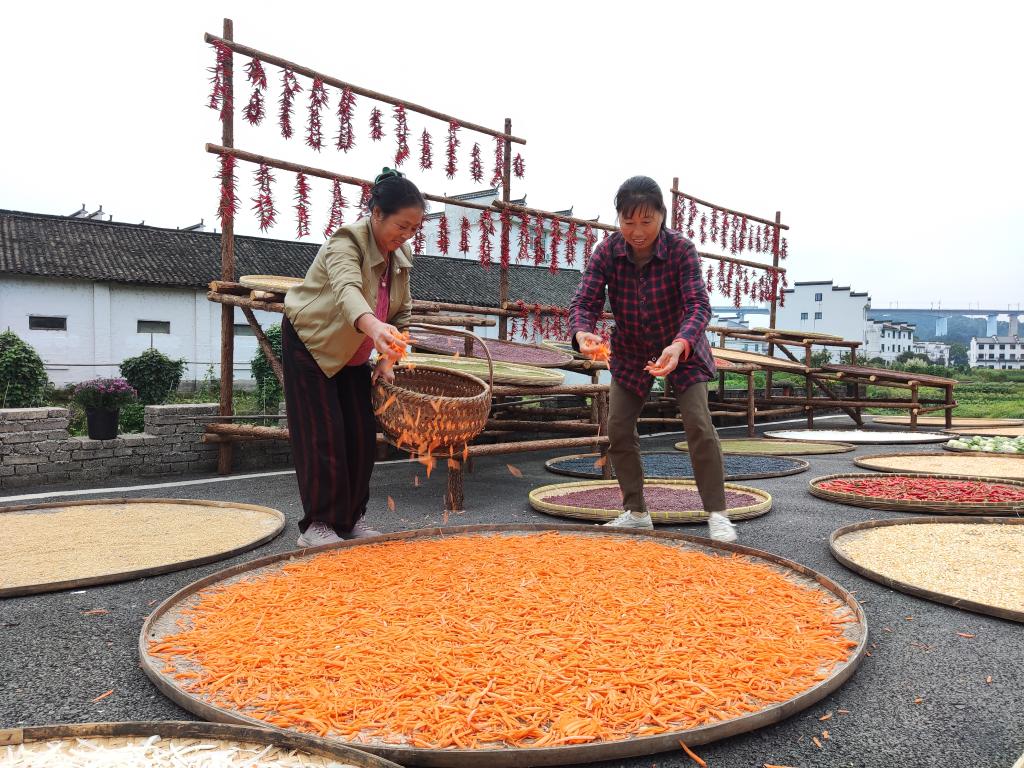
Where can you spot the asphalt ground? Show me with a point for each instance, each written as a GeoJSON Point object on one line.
{"type": "Point", "coordinates": [920, 699]}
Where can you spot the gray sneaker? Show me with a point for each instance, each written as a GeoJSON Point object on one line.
{"type": "Point", "coordinates": [721, 527]}
{"type": "Point", "coordinates": [362, 531]}
{"type": "Point", "coordinates": [628, 520]}
{"type": "Point", "coordinates": [318, 535]}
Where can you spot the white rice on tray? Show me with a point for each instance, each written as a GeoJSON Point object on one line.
{"type": "Point", "coordinates": [982, 562]}
{"type": "Point", "coordinates": [156, 752]}
{"type": "Point", "coordinates": [859, 435]}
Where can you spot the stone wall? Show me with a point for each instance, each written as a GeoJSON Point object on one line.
{"type": "Point", "coordinates": [36, 449]}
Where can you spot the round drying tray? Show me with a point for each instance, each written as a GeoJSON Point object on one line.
{"type": "Point", "coordinates": [979, 452]}
{"type": "Point", "coordinates": [792, 334]}
{"type": "Point", "coordinates": [973, 563]}
{"type": "Point", "coordinates": [504, 373]}
{"type": "Point", "coordinates": [760, 445]}
{"type": "Point", "coordinates": [1000, 467]}
{"type": "Point", "coordinates": [1007, 431]}
{"type": "Point", "coordinates": [270, 283]}
{"type": "Point", "coordinates": [100, 541]}
{"type": "Point", "coordinates": [562, 346]}
{"type": "Point", "coordinates": [919, 505]}
{"type": "Point", "coordinates": [176, 742]}
{"type": "Point", "coordinates": [542, 584]}
{"type": "Point", "coordinates": [670, 502]}
{"type": "Point", "coordinates": [673, 465]}
{"type": "Point", "coordinates": [860, 436]}
{"type": "Point", "coordinates": [940, 421]}
{"type": "Point", "coordinates": [501, 351]}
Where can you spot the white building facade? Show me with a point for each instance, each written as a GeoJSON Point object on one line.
{"type": "Point", "coordinates": [886, 340]}
{"type": "Point", "coordinates": [999, 352]}
{"type": "Point", "coordinates": [936, 351]}
{"type": "Point", "coordinates": [822, 307]}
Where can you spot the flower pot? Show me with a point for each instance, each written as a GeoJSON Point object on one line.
{"type": "Point", "coordinates": [102, 422]}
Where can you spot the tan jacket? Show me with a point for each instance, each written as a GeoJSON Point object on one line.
{"type": "Point", "coordinates": [340, 286]}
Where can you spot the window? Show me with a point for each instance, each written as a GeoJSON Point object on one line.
{"type": "Point", "coordinates": [243, 329]}
{"type": "Point", "coordinates": [1002, 346]}
{"type": "Point", "coordinates": [153, 326]}
{"type": "Point", "coordinates": [803, 315]}
{"type": "Point", "coordinates": [817, 315]}
{"type": "Point", "coordinates": [817, 297]}
{"type": "Point", "coordinates": [44, 323]}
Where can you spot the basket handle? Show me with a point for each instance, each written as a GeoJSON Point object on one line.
{"type": "Point", "coordinates": [448, 331]}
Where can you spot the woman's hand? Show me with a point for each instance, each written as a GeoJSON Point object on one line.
{"type": "Point", "coordinates": [384, 369]}
{"type": "Point", "coordinates": [382, 334]}
{"type": "Point", "coordinates": [670, 357]}
{"type": "Point", "coordinates": [588, 342]}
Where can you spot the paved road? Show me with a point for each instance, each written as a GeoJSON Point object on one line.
{"type": "Point", "coordinates": [54, 659]}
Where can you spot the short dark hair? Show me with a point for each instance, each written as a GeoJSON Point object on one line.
{"type": "Point", "coordinates": [391, 192]}
{"type": "Point", "coordinates": [637, 193]}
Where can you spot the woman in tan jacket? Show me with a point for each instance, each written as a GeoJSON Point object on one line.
{"type": "Point", "coordinates": [355, 298]}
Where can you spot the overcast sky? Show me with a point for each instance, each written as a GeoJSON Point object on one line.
{"type": "Point", "coordinates": [887, 134]}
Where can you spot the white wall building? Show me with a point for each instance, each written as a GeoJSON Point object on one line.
{"type": "Point", "coordinates": [823, 307]}
{"type": "Point", "coordinates": [1001, 352]}
{"type": "Point", "coordinates": [886, 340]}
{"type": "Point", "coordinates": [935, 351]}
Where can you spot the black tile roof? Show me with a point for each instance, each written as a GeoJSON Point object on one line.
{"type": "Point", "coordinates": [58, 246]}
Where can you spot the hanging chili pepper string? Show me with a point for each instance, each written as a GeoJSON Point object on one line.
{"type": "Point", "coordinates": [228, 205]}
{"type": "Point", "coordinates": [743, 234]}
{"type": "Point", "coordinates": [714, 225]}
{"type": "Point", "coordinates": [589, 240]}
{"type": "Point", "coordinates": [556, 242]}
{"type": "Point", "coordinates": [364, 201]}
{"type": "Point", "coordinates": [783, 249]}
{"type": "Point", "coordinates": [486, 226]}
{"type": "Point", "coordinates": [519, 166]}
{"type": "Point", "coordinates": [255, 110]}
{"type": "Point", "coordinates": [376, 124]}
{"type": "Point", "coordinates": [538, 241]}
{"type": "Point", "coordinates": [523, 254]}
{"type": "Point", "coordinates": [346, 138]}
{"type": "Point", "coordinates": [264, 200]}
{"type": "Point", "coordinates": [709, 279]}
{"type": "Point", "coordinates": [476, 166]}
{"type": "Point", "coordinates": [289, 87]}
{"type": "Point", "coordinates": [401, 135]}
{"type": "Point", "coordinates": [220, 95]}
{"type": "Point", "coordinates": [453, 144]}
{"type": "Point", "coordinates": [317, 101]}
{"type": "Point", "coordinates": [301, 204]}
{"type": "Point", "coordinates": [570, 244]}
{"type": "Point", "coordinates": [499, 161]}
{"type": "Point", "coordinates": [677, 212]}
{"type": "Point", "coordinates": [703, 228]}
{"type": "Point", "coordinates": [506, 233]}
{"type": "Point", "coordinates": [419, 240]}
{"type": "Point", "coordinates": [442, 234]}
{"type": "Point", "coordinates": [464, 235]}
{"type": "Point", "coordinates": [691, 214]}
{"type": "Point", "coordinates": [338, 204]}
{"type": "Point", "coordinates": [426, 151]}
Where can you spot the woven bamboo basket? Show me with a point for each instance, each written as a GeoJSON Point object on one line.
{"type": "Point", "coordinates": [859, 436]}
{"type": "Point", "coordinates": [539, 500]}
{"type": "Point", "coordinates": [940, 421]}
{"type": "Point", "coordinates": [765, 447]}
{"type": "Point", "coordinates": [504, 373]}
{"type": "Point", "coordinates": [910, 505]}
{"type": "Point", "coordinates": [450, 406]}
{"type": "Point", "coordinates": [1007, 431]}
{"type": "Point", "coordinates": [271, 283]}
{"type": "Point", "coordinates": [995, 466]}
{"type": "Point", "coordinates": [969, 452]}
{"type": "Point", "coordinates": [496, 349]}
{"type": "Point", "coordinates": [570, 467]}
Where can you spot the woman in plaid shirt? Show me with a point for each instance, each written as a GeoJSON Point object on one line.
{"type": "Point", "coordinates": [661, 308]}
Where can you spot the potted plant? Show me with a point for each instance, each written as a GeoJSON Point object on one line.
{"type": "Point", "coordinates": [102, 400]}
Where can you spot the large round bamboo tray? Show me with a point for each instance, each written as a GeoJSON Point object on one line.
{"type": "Point", "coordinates": [101, 541]}
{"type": "Point", "coordinates": [954, 560]}
{"type": "Point", "coordinates": [940, 421]}
{"type": "Point", "coordinates": [971, 452]}
{"type": "Point", "coordinates": [859, 436]}
{"type": "Point", "coordinates": [752, 358]}
{"type": "Point", "coordinates": [987, 431]}
{"type": "Point", "coordinates": [765, 447]}
{"type": "Point", "coordinates": [300, 748]}
{"type": "Point", "coordinates": [990, 465]}
{"type": "Point", "coordinates": [504, 373]}
{"type": "Point", "coordinates": [911, 505]}
{"type": "Point", "coordinates": [791, 334]}
{"type": "Point", "coordinates": [562, 346]}
{"type": "Point", "coordinates": [270, 283]}
{"type": "Point", "coordinates": [670, 465]}
{"type": "Point", "coordinates": [163, 621]}
{"type": "Point", "coordinates": [500, 351]}
{"type": "Point", "coordinates": [543, 499]}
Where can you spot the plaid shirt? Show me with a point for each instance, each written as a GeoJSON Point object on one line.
{"type": "Point", "coordinates": [653, 306]}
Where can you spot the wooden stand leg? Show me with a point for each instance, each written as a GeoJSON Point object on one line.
{"type": "Point", "coordinates": [601, 399]}
{"type": "Point", "coordinates": [914, 407]}
{"type": "Point", "coordinates": [949, 409]}
{"type": "Point", "coordinates": [454, 500]}
{"type": "Point", "coordinates": [751, 407]}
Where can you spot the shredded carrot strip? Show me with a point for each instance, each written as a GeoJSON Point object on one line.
{"type": "Point", "coordinates": [426, 642]}
{"type": "Point", "coordinates": [693, 755]}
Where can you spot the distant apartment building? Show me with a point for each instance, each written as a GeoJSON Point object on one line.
{"type": "Point", "coordinates": [1001, 352]}
{"type": "Point", "coordinates": [936, 351]}
{"type": "Point", "coordinates": [886, 340]}
{"type": "Point", "coordinates": [823, 307]}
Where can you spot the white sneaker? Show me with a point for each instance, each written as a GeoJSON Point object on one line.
{"type": "Point", "coordinates": [318, 535]}
{"type": "Point", "coordinates": [361, 531]}
{"type": "Point", "coordinates": [628, 520]}
{"type": "Point", "coordinates": [721, 527]}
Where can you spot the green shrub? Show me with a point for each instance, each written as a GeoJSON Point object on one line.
{"type": "Point", "coordinates": [153, 374]}
{"type": "Point", "coordinates": [22, 376]}
{"type": "Point", "coordinates": [132, 419]}
{"type": "Point", "coordinates": [268, 389]}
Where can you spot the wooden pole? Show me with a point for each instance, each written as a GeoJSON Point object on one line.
{"type": "Point", "coordinates": [227, 270]}
{"type": "Point", "coordinates": [675, 193]}
{"type": "Point", "coordinates": [775, 301]}
{"type": "Point", "coordinates": [264, 342]}
{"type": "Point", "coordinates": [506, 234]}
